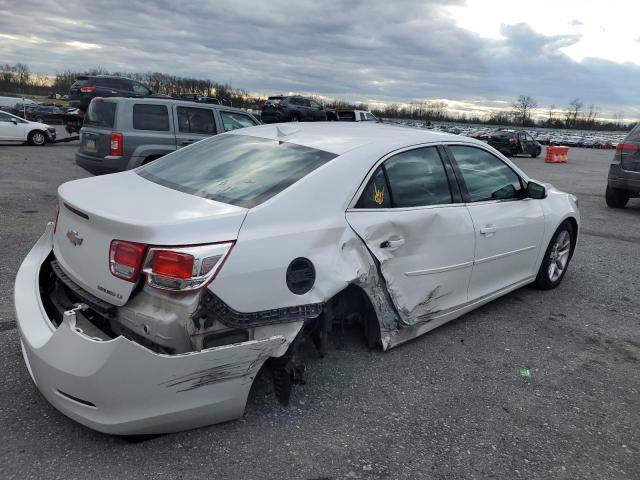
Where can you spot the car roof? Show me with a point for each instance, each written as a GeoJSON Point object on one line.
{"type": "Point", "coordinates": [181, 102]}
{"type": "Point", "coordinates": [341, 137]}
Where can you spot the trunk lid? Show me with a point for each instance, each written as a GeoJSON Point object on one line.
{"type": "Point", "coordinates": [125, 206]}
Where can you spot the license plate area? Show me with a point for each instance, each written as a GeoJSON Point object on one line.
{"type": "Point", "coordinates": [90, 143]}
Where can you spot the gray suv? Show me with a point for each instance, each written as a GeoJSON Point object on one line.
{"type": "Point", "coordinates": [624, 173]}
{"type": "Point", "coordinates": [124, 133]}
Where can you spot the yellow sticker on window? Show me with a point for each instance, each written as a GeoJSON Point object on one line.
{"type": "Point", "coordinates": [378, 194]}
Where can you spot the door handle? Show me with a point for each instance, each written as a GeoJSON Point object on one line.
{"type": "Point", "coordinates": [488, 230]}
{"type": "Point", "coordinates": [186, 142]}
{"type": "Point", "coordinates": [392, 243]}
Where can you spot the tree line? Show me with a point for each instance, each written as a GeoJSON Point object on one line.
{"type": "Point", "coordinates": [19, 79]}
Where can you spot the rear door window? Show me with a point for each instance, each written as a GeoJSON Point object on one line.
{"type": "Point", "coordinates": [101, 114]}
{"type": "Point", "coordinates": [196, 120]}
{"type": "Point", "coordinates": [634, 135]}
{"type": "Point", "coordinates": [233, 121]}
{"type": "Point", "coordinates": [151, 117]}
{"type": "Point", "coordinates": [414, 178]}
{"type": "Point", "coordinates": [140, 89]}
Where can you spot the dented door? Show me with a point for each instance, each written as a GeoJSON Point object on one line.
{"type": "Point", "coordinates": [423, 241]}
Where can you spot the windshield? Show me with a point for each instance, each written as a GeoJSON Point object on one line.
{"type": "Point", "coordinates": [237, 169]}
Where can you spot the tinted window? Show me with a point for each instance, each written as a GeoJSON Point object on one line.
{"type": "Point", "coordinates": [196, 120]}
{"type": "Point", "coordinates": [140, 89]}
{"type": "Point", "coordinates": [236, 169]}
{"type": "Point", "coordinates": [371, 117]}
{"type": "Point", "coordinates": [101, 114]}
{"type": "Point", "coordinates": [417, 178]}
{"type": "Point", "coordinates": [233, 121]}
{"type": "Point", "coordinates": [295, 101]}
{"type": "Point", "coordinates": [486, 176]}
{"type": "Point", "coordinates": [376, 193]}
{"type": "Point", "coordinates": [151, 117]}
{"type": "Point", "coordinates": [316, 104]}
{"type": "Point", "coordinates": [362, 117]}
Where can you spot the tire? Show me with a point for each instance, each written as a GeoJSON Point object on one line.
{"type": "Point", "coordinates": [294, 117]}
{"type": "Point", "coordinates": [37, 138]}
{"type": "Point", "coordinates": [537, 153]}
{"type": "Point", "coordinates": [557, 257]}
{"type": "Point", "coordinates": [616, 197]}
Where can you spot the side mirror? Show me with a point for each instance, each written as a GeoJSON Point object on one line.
{"type": "Point", "coordinates": [536, 190]}
{"type": "Point", "coordinates": [14, 121]}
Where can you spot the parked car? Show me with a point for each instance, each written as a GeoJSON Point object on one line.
{"type": "Point", "coordinates": [623, 182]}
{"type": "Point", "coordinates": [46, 113]}
{"type": "Point", "coordinates": [124, 133]}
{"type": "Point", "coordinates": [16, 129]}
{"type": "Point", "coordinates": [19, 109]}
{"type": "Point", "coordinates": [511, 143]}
{"type": "Point", "coordinates": [156, 295]}
{"type": "Point", "coordinates": [351, 115]}
{"type": "Point", "coordinates": [88, 87]}
{"type": "Point", "coordinates": [295, 108]}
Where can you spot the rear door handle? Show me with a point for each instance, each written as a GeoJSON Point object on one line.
{"type": "Point", "coordinates": [186, 142]}
{"type": "Point", "coordinates": [392, 243]}
{"type": "Point", "coordinates": [488, 230]}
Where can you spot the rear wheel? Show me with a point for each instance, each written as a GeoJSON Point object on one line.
{"type": "Point", "coordinates": [38, 138]}
{"type": "Point", "coordinates": [294, 117]}
{"type": "Point", "coordinates": [616, 197]}
{"type": "Point", "coordinates": [536, 154]}
{"type": "Point", "coordinates": [556, 258]}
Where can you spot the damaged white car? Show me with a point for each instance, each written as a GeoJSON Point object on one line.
{"type": "Point", "coordinates": [156, 295]}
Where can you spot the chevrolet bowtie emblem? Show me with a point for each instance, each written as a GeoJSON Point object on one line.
{"type": "Point", "coordinates": [74, 238]}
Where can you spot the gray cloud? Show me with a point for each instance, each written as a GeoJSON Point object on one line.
{"type": "Point", "coordinates": [359, 50]}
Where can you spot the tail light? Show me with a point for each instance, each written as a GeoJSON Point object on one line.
{"type": "Point", "coordinates": [125, 259]}
{"type": "Point", "coordinates": [115, 144]}
{"type": "Point", "coordinates": [280, 104]}
{"type": "Point", "coordinates": [627, 148]}
{"type": "Point", "coordinates": [87, 89]}
{"type": "Point", "coordinates": [513, 141]}
{"type": "Point", "coordinates": [185, 268]}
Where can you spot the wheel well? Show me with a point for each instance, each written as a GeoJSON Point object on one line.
{"type": "Point", "coordinates": [353, 305]}
{"type": "Point", "coordinates": [574, 225]}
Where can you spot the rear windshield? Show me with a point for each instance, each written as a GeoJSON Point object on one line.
{"type": "Point", "coordinates": [101, 114]}
{"type": "Point", "coordinates": [634, 135]}
{"type": "Point", "coordinates": [238, 169]}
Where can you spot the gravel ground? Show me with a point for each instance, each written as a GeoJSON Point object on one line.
{"type": "Point", "coordinates": [448, 405]}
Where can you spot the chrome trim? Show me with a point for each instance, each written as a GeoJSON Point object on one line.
{"type": "Point", "coordinates": [502, 255]}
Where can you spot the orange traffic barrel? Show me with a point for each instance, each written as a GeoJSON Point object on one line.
{"type": "Point", "coordinates": [557, 154]}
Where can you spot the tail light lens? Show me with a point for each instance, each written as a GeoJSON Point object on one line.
{"type": "Point", "coordinates": [87, 89]}
{"type": "Point", "coordinates": [115, 144]}
{"type": "Point", "coordinates": [623, 148]}
{"type": "Point", "coordinates": [513, 141]}
{"type": "Point", "coordinates": [125, 259]}
{"type": "Point", "coordinates": [280, 104]}
{"type": "Point", "coordinates": [185, 268]}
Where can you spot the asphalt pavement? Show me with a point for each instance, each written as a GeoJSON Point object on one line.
{"type": "Point", "coordinates": [452, 404]}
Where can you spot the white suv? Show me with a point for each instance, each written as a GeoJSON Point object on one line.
{"type": "Point", "coordinates": [152, 301]}
{"type": "Point", "coordinates": [16, 129]}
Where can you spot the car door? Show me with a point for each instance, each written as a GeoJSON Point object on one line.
{"type": "Point", "coordinates": [411, 218]}
{"type": "Point", "coordinates": [10, 130]}
{"type": "Point", "coordinates": [509, 227]}
{"type": "Point", "coordinates": [317, 110]}
{"type": "Point", "coordinates": [194, 123]}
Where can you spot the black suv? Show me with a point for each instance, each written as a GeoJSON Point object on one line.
{"type": "Point", "coordinates": [295, 109]}
{"type": "Point", "coordinates": [624, 173]}
{"type": "Point", "coordinates": [87, 87]}
{"type": "Point", "coordinates": [511, 143]}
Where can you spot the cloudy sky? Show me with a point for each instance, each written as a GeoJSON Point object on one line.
{"type": "Point", "coordinates": [476, 54]}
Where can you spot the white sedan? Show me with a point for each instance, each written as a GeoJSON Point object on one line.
{"type": "Point", "coordinates": [151, 302]}
{"type": "Point", "coordinates": [16, 129]}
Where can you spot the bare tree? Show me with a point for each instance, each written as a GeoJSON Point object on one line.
{"type": "Point", "coordinates": [522, 108]}
{"type": "Point", "coordinates": [573, 112]}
